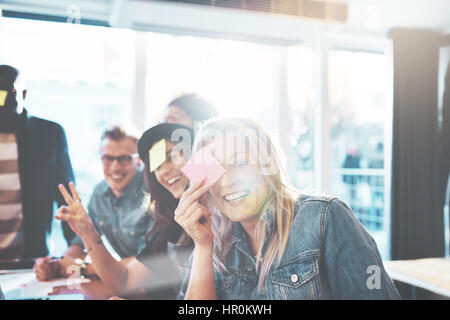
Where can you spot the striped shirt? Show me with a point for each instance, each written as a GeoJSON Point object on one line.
{"type": "Point", "coordinates": [11, 218]}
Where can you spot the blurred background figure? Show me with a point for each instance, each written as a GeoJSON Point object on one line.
{"type": "Point", "coordinates": [34, 159]}
{"type": "Point", "coordinates": [352, 161]}
{"type": "Point", "coordinates": [376, 161]}
{"type": "Point", "coordinates": [188, 109]}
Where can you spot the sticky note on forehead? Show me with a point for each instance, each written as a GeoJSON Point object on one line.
{"type": "Point", "coordinates": [3, 95]}
{"type": "Point", "coordinates": [203, 165]}
{"type": "Point", "coordinates": [157, 155]}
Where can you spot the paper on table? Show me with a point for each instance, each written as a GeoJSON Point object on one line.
{"type": "Point", "coordinates": [157, 155]}
{"type": "Point", "coordinates": [24, 284]}
{"type": "Point", "coordinates": [65, 282]}
{"type": "Point", "coordinates": [203, 165]}
{"type": "Point", "coordinates": [35, 288]}
{"type": "Point", "coordinates": [14, 280]}
{"type": "Point", "coordinates": [3, 95]}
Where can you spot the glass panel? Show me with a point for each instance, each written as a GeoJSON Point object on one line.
{"type": "Point", "coordinates": [300, 157]}
{"type": "Point", "coordinates": [80, 77]}
{"type": "Point", "coordinates": [236, 76]}
{"type": "Point", "coordinates": [357, 115]}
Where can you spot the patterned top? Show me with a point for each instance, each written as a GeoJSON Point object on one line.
{"type": "Point", "coordinates": [11, 218]}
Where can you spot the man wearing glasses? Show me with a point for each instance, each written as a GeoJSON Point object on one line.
{"type": "Point", "coordinates": [116, 206]}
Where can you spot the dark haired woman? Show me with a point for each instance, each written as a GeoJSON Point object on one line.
{"type": "Point", "coordinates": [158, 265]}
{"type": "Point", "coordinates": [189, 109]}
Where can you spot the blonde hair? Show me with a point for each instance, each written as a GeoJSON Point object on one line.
{"type": "Point", "coordinates": [282, 192]}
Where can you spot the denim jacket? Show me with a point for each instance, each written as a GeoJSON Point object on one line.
{"type": "Point", "coordinates": [122, 220]}
{"type": "Point", "coordinates": [329, 255]}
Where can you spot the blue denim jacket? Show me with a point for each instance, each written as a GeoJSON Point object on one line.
{"type": "Point", "coordinates": [329, 255]}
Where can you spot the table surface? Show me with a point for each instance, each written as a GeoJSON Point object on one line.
{"type": "Point", "coordinates": [22, 284]}
{"type": "Point", "coordinates": [432, 274]}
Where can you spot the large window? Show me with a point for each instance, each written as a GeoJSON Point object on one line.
{"type": "Point", "coordinates": [236, 76]}
{"type": "Point", "coordinates": [300, 98]}
{"type": "Point", "coordinates": [358, 111]}
{"type": "Point", "coordinates": [85, 77]}
{"type": "Point", "coordinates": [78, 76]}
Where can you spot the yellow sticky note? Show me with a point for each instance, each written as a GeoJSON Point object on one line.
{"type": "Point", "coordinates": [157, 155]}
{"type": "Point", "coordinates": [3, 95]}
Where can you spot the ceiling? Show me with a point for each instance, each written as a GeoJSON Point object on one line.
{"type": "Point", "coordinates": [381, 15]}
{"type": "Point", "coordinates": [374, 17]}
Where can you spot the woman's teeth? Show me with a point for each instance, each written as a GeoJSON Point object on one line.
{"type": "Point", "coordinates": [231, 197]}
{"type": "Point", "coordinates": [173, 180]}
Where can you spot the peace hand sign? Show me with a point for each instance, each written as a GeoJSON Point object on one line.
{"type": "Point", "coordinates": [74, 214]}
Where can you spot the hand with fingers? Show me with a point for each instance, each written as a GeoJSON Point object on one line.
{"type": "Point", "coordinates": [193, 216]}
{"type": "Point", "coordinates": [74, 213]}
{"type": "Point", "coordinates": [46, 268]}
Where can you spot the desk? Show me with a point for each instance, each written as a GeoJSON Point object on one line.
{"type": "Point", "coordinates": [23, 284]}
{"type": "Point", "coordinates": [432, 274]}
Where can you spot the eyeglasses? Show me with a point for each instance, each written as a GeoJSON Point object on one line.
{"type": "Point", "coordinates": [125, 159]}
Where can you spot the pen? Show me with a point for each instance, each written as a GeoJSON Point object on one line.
{"type": "Point", "coordinates": [54, 259]}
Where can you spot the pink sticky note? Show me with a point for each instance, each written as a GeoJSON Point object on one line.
{"type": "Point", "coordinates": [203, 165]}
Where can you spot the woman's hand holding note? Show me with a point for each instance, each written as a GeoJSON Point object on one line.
{"type": "Point", "coordinates": [193, 216]}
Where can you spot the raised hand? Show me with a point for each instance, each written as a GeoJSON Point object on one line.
{"type": "Point", "coordinates": [193, 216]}
{"type": "Point", "coordinates": [74, 213]}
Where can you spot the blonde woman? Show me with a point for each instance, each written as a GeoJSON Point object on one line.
{"type": "Point", "coordinates": [257, 237]}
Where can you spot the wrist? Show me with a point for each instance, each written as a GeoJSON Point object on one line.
{"type": "Point", "coordinates": [204, 247]}
{"type": "Point", "coordinates": [57, 268]}
{"type": "Point", "coordinates": [90, 236]}
{"type": "Point", "coordinates": [85, 228]}
{"type": "Point", "coordinates": [83, 269]}
{"type": "Point", "coordinates": [92, 242]}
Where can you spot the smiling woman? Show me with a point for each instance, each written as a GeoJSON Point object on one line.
{"type": "Point", "coordinates": [268, 237]}
{"type": "Point", "coordinates": [168, 174]}
{"type": "Point", "coordinates": [166, 185]}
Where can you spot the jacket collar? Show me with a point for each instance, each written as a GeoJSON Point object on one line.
{"type": "Point", "coordinates": [267, 216]}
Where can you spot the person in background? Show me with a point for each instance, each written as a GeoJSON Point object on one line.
{"type": "Point", "coordinates": [257, 237]}
{"type": "Point", "coordinates": [189, 109]}
{"type": "Point", "coordinates": [157, 266]}
{"type": "Point", "coordinates": [34, 159]}
{"type": "Point", "coordinates": [116, 207]}
{"type": "Point", "coordinates": [352, 161]}
{"type": "Point", "coordinates": [376, 160]}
